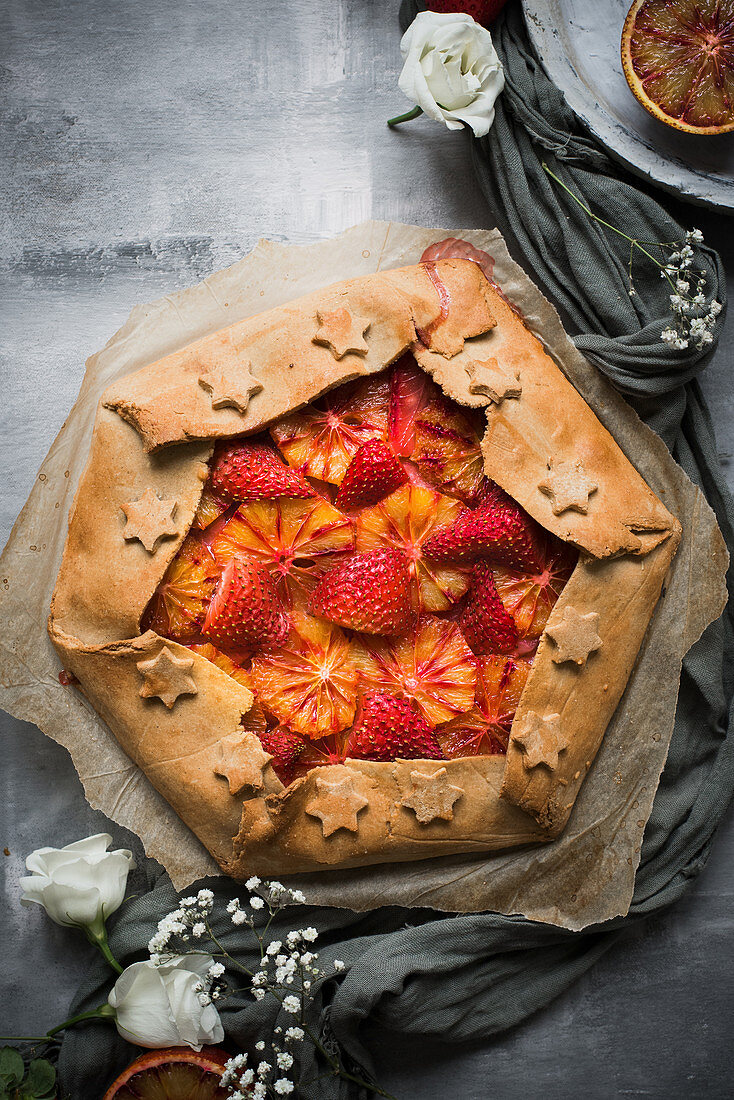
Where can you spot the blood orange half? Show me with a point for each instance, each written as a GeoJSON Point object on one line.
{"type": "Point", "coordinates": [678, 58]}
{"type": "Point", "coordinates": [176, 1073]}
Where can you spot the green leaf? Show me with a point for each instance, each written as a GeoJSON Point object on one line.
{"type": "Point", "coordinates": [41, 1080]}
{"type": "Point", "coordinates": [11, 1067]}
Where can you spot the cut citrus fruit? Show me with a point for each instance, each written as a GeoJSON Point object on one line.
{"type": "Point", "coordinates": [175, 1073]}
{"type": "Point", "coordinates": [179, 604]}
{"type": "Point", "coordinates": [404, 521]}
{"type": "Point", "coordinates": [447, 450]}
{"type": "Point", "coordinates": [530, 597]}
{"type": "Point", "coordinates": [678, 58]}
{"type": "Point", "coordinates": [485, 729]}
{"type": "Point", "coordinates": [210, 508]}
{"type": "Point", "coordinates": [310, 683]}
{"type": "Point", "coordinates": [221, 660]}
{"type": "Point", "coordinates": [295, 540]}
{"type": "Point", "coordinates": [322, 439]}
{"type": "Point", "coordinates": [433, 666]}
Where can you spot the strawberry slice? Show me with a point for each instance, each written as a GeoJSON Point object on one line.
{"type": "Point", "coordinates": [368, 592]}
{"type": "Point", "coordinates": [485, 623]}
{"type": "Point", "coordinates": [323, 438]}
{"type": "Point", "coordinates": [409, 390]}
{"type": "Point", "coordinates": [310, 682]}
{"type": "Point", "coordinates": [245, 609]}
{"type": "Point", "coordinates": [286, 748]}
{"type": "Point", "coordinates": [373, 474]}
{"type": "Point", "coordinates": [497, 529]}
{"type": "Point", "coordinates": [389, 727]}
{"type": "Point", "coordinates": [404, 521]}
{"type": "Point", "coordinates": [254, 471]}
{"type": "Point", "coordinates": [432, 665]}
{"type": "Point", "coordinates": [485, 729]}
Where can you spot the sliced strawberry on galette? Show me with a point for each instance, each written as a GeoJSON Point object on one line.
{"type": "Point", "coordinates": [374, 473]}
{"type": "Point", "coordinates": [368, 592]}
{"type": "Point", "coordinates": [245, 471]}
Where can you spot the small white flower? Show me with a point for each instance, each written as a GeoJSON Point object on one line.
{"type": "Point", "coordinates": [293, 938]}
{"type": "Point", "coordinates": [259, 1091]}
{"type": "Point", "coordinates": [284, 1060]}
{"type": "Point", "coordinates": [283, 1086]}
{"type": "Point", "coordinates": [199, 929]}
{"type": "Point", "coordinates": [716, 308]}
{"type": "Point", "coordinates": [252, 883]}
{"type": "Point", "coordinates": [682, 286]}
{"type": "Point", "coordinates": [307, 986]}
{"type": "Point", "coordinates": [274, 947]}
{"type": "Point", "coordinates": [258, 994]}
{"type": "Point", "coordinates": [339, 964]}
{"type": "Point", "coordinates": [257, 903]}
{"type": "Point", "coordinates": [310, 934]}
{"type": "Point", "coordinates": [260, 978]}
{"type": "Point", "coordinates": [239, 917]}
{"type": "Point", "coordinates": [215, 970]}
{"type": "Point", "coordinates": [298, 896]}
{"type": "Point", "coordinates": [292, 1004]}
{"type": "Point", "coordinates": [233, 905]}
{"type": "Point", "coordinates": [263, 1069]}
{"type": "Point", "coordinates": [186, 903]}
{"type": "Point", "coordinates": [694, 235]}
{"type": "Point", "coordinates": [294, 1034]}
{"type": "Point", "coordinates": [259, 1045]}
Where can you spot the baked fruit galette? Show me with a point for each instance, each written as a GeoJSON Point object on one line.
{"type": "Point", "coordinates": [360, 579]}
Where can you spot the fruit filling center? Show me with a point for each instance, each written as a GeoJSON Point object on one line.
{"type": "Point", "coordinates": [357, 571]}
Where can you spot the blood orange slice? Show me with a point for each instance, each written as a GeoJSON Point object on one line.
{"type": "Point", "coordinates": [210, 508]}
{"type": "Point", "coordinates": [410, 387]}
{"type": "Point", "coordinates": [310, 683]}
{"type": "Point", "coordinates": [296, 541]}
{"type": "Point", "coordinates": [323, 438]}
{"type": "Point", "coordinates": [447, 450]}
{"type": "Point", "coordinates": [221, 660]}
{"type": "Point", "coordinates": [179, 604]}
{"type": "Point", "coordinates": [530, 597]}
{"type": "Point", "coordinates": [404, 521]}
{"type": "Point", "coordinates": [433, 666]}
{"type": "Point", "coordinates": [176, 1073]}
{"type": "Point", "coordinates": [485, 729]}
{"type": "Point", "coordinates": [678, 58]}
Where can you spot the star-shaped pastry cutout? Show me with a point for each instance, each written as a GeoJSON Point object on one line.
{"type": "Point", "coordinates": [337, 804]}
{"type": "Point", "coordinates": [431, 796]}
{"type": "Point", "coordinates": [167, 676]}
{"type": "Point", "coordinates": [341, 331]}
{"type": "Point", "coordinates": [568, 485]}
{"type": "Point", "coordinates": [149, 519]}
{"type": "Point", "coordinates": [540, 739]}
{"type": "Point", "coordinates": [575, 636]}
{"type": "Point", "coordinates": [491, 380]}
{"type": "Point", "coordinates": [230, 386]}
{"type": "Point", "coordinates": [239, 765]}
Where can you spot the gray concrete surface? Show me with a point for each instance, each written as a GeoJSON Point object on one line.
{"type": "Point", "coordinates": [144, 146]}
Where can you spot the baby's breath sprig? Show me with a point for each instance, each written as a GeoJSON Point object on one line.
{"type": "Point", "coordinates": [287, 970]}
{"type": "Point", "coordinates": [693, 315]}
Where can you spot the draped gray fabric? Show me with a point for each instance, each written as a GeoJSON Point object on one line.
{"type": "Point", "coordinates": [471, 976]}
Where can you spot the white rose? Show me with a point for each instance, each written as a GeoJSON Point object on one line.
{"type": "Point", "coordinates": [80, 884]}
{"type": "Point", "coordinates": [160, 1006]}
{"type": "Point", "coordinates": [451, 70]}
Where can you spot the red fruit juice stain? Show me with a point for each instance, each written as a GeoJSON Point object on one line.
{"type": "Point", "coordinates": [66, 679]}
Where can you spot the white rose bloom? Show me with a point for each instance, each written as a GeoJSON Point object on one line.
{"type": "Point", "coordinates": [159, 1006]}
{"type": "Point", "coordinates": [80, 884]}
{"type": "Point", "coordinates": [451, 70]}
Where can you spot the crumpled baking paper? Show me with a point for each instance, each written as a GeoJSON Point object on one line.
{"type": "Point", "coordinates": [585, 876]}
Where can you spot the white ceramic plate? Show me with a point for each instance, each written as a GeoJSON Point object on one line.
{"type": "Point", "coordinates": [578, 42]}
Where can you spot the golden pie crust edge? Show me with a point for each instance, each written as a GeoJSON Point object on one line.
{"type": "Point", "coordinates": [178, 716]}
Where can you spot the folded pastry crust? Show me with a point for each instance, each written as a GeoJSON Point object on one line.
{"type": "Point", "coordinates": [178, 716]}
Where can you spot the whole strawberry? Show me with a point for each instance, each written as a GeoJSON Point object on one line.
{"type": "Point", "coordinates": [253, 471]}
{"type": "Point", "coordinates": [497, 529]}
{"type": "Point", "coordinates": [482, 11]}
{"type": "Point", "coordinates": [245, 609]}
{"type": "Point", "coordinates": [285, 747]}
{"type": "Point", "coordinates": [390, 728]}
{"type": "Point", "coordinates": [485, 622]}
{"type": "Point", "coordinates": [373, 474]}
{"type": "Point", "coordinates": [369, 592]}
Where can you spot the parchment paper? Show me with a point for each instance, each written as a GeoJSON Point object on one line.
{"type": "Point", "coordinates": [584, 877]}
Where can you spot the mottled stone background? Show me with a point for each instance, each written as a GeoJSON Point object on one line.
{"type": "Point", "coordinates": [143, 147]}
